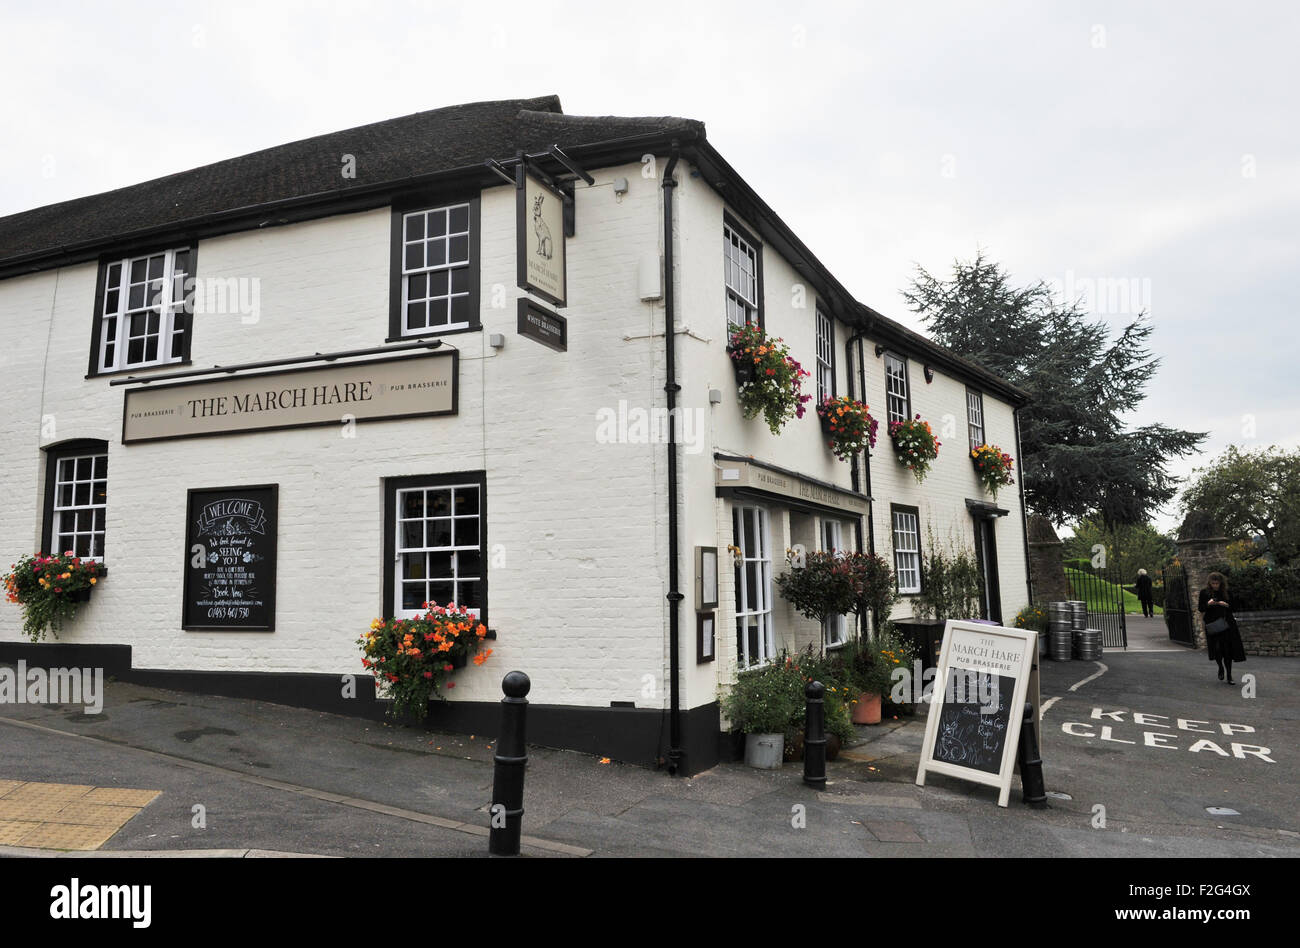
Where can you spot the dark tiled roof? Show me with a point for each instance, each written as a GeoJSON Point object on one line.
{"type": "Point", "coordinates": [386, 152]}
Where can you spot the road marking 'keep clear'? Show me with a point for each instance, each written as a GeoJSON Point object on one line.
{"type": "Point", "coordinates": [1169, 736]}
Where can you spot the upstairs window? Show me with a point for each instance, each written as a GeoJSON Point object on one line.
{"type": "Point", "coordinates": [975, 417]}
{"type": "Point", "coordinates": [142, 311]}
{"type": "Point", "coordinates": [743, 276]}
{"type": "Point", "coordinates": [896, 394]}
{"type": "Point", "coordinates": [436, 268]}
{"type": "Point", "coordinates": [825, 357]}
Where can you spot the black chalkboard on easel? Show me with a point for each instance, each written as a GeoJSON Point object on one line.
{"type": "Point", "coordinates": [971, 731]}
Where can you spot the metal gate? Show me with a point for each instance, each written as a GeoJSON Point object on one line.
{"type": "Point", "coordinates": [1178, 604]}
{"type": "Point", "coordinates": [1103, 591]}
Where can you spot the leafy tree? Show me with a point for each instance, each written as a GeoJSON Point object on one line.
{"type": "Point", "coordinates": [1253, 494]}
{"type": "Point", "coordinates": [1078, 459]}
{"type": "Point", "coordinates": [1128, 547]}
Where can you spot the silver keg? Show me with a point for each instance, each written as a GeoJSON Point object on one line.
{"type": "Point", "coordinates": [1087, 645]}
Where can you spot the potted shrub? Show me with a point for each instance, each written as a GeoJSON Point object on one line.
{"type": "Point", "coordinates": [834, 674]}
{"type": "Point", "coordinates": [768, 378]}
{"type": "Point", "coordinates": [993, 467]}
{"type": "Point", "coordinates": [819, 585]}
{"type": "Point", "coordinates": [49, 589]}
{"type": "Point", "coordinates": [410, 658]}
{"type": "Point", "coordinates": [762, 704]}
{"type": "Point", "coordinates": [874, 662]}
{"type": "Point", "coordinates": [847, 425]}
{"type": "Point", "coordinates": [915, 445]}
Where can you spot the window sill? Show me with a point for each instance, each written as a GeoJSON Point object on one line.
{"type": "Point", "coordinates": [141, 368]}
{"type": "Point", "coordinates": [476, 327]}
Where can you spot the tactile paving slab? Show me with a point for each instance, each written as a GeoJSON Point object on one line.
{"type": "Point", "coordinates": [65, 816]}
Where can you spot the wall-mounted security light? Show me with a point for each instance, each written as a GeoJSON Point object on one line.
{"type": "Point", "coordinates": [715, 396]}
{"type": "Point", "coordinates": [497, 340]}
{"type": "Point", "coordinates": [929, 374]}
{"type": "Point", "coordinates": [620, 186]}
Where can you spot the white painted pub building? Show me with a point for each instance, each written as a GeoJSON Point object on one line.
{"type": "Point", "coordinates": [328, 342]}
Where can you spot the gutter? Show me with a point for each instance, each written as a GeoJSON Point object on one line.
{"type": "Point", "coordinates": [671, 388]}
{"type": "Point", "coordinates": [1024, 514]}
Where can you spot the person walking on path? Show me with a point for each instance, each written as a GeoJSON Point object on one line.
{"type": "Point", "coordinates": [1222, 639]}
{"type": "Point", "coordinates": [1144, 593]}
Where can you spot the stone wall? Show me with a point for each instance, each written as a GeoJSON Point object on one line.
{"type": "Point", "coordinates": [1046, 572]}
{"type": "Point", "coordinates": [1270, 633]}
{"type": "Point", "coordinates": [1201, 547]}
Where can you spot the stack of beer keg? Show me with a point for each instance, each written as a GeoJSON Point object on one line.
{"type": "Point", "coordinates": [1060, 631]}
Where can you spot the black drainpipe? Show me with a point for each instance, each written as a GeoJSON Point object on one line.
{"type": "Point", "coordinates": [866, 467]}
{"type": "Point", "coordinates": [1024, 514]}
{"type": "Point", "coordinates": [672, 388]}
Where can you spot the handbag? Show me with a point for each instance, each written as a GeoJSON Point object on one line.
{"type": "Point", "coordinates": [1217, 626]}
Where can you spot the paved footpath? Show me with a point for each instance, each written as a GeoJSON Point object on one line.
{"type": "Point", "coordinates": [239, 777]}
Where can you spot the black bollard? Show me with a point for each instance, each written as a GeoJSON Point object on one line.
{"type": "Point", "coordinates": [814, 736]}
{"type": "Point", "coordinates": [511, 758]}
{"type": "Point", "coordinates": [1031, 765]}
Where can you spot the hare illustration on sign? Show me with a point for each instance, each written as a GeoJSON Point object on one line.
{"type": "Point", "coordinates": [545, 249]}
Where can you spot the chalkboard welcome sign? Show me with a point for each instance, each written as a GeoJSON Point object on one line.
{"type": "Point", "coordinates": [972, 728]}
{"type": "Point", "coordinates": [230, 558]}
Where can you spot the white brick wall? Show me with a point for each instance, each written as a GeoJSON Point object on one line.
{"type": "Point", "coordinates": [577, 529]}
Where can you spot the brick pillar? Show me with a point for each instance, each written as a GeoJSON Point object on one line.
{"type": "Point", "coordinates": [1046, 572]}
{"type": "Point", "coordinates": [1201, 548]}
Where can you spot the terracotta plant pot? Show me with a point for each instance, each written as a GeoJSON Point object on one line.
{"type": "Point", "coordinates": [867, 710]}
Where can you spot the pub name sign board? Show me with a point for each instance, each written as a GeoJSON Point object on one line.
{"type": "Point", "coordinates": [374, 390]}
{"type": "Point", "coordinates": [230, 558]}
{"type": "Point", "coordinates": [540, 248]}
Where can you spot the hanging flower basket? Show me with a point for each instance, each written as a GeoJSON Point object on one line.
{"type": "Point", "coordinates": [915, 445]}
{"type": "Point", "coordinates": [847, 425]}
{"type": "Point", "coordinates": [49, 588]}
{"type": "Point", "coordinates": [769, 380]}
{"type": "Point", "coordinates": [411, 658]}
{"type": "Point", "coordinates": [993, 467]}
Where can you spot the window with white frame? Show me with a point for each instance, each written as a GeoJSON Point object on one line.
{"type": "Point", "coordinates": [896, 403]}
{"type": "Point", "coordinates": [975, 417]}
{"type": "Point", "coordinates": [740, 266]}
{"type": "Point", "coordinates": [907, 548]}
{"type": "Point", "coordinates": [755, 639]}
{"type": "Point", "coordinates": [835, 628]}
{"type": "Point", "coordinates": [79, 502]}
{"type": "Point", "coordinates": [143, 317]}
{"type": "Point", "coordinates": [436, 262]}
{"type": "Point", "coordinates": [438, 547]}
{"type": "Point", "coordinates": [825, 357]}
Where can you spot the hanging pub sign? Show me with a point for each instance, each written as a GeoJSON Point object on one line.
{"type": "Point", "coordinates": [374, 390]}
{"type": "Point", "coordinates": [972, 728]}
{"type": "Point", "coordinates": [540, 246]}
{"type": "Point", "coordinates": [230, 558]}
{"type": "Point", "coordinates": [541, 325]}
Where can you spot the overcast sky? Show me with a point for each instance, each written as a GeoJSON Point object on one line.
{"type": "Point", "coordinates": [1155, 143]}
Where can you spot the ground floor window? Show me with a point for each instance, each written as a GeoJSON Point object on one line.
{"type": "Point", "coordinates": [435, 544]}
{"type": "Point", "coordinates": [907, 548]}
{"type": "Point", "coordinates": [835, 628]}
{"type": "Point", "coordinates": [755, 639]}
{"type": "Point", "coordinates": [77, 499]}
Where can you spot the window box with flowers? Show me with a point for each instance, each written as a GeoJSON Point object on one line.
{"type": "Point", "coordinates": [993, 467]}
{"type": "Point", "coordinates": [49, 588]}
{"type": "Point", "coordinates": [847, 425]}
{"type": "Point", "coordinates": [411, 658]}
{"type": "Point", "coordinates": [915, 445]}
{"type": "Point", "coordinates": [768, 378]}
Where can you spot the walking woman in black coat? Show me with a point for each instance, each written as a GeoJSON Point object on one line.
{"type": "Point", "coordinates": [1224, 646]}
